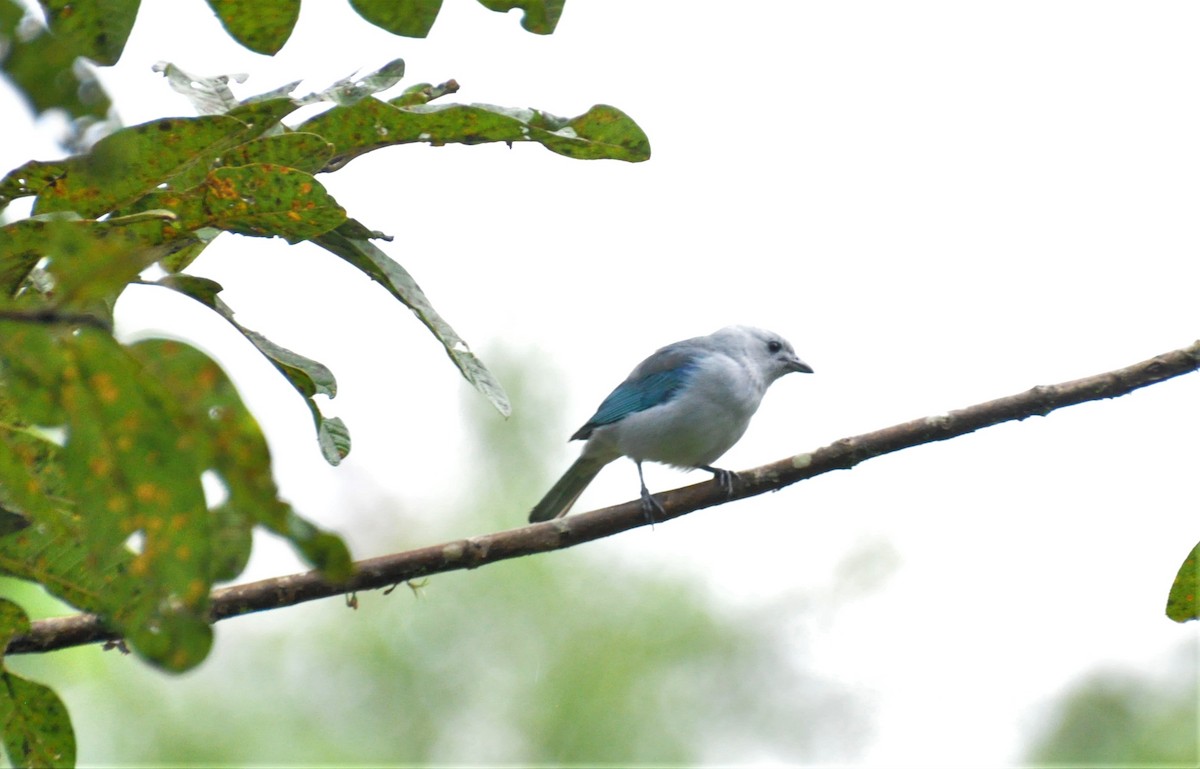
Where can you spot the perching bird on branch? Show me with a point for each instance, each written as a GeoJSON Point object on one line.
{"type": "Point", "coordinates": [685, 405]}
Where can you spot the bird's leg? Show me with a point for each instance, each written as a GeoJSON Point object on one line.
{"type": "Point", "coordinates": [724, 478]}
{"type": "Point", "coordinates": [650, 505]}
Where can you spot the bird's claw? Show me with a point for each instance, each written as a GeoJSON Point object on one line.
{"type": "Point", "coordinates": [651, 508]}
{"type": "Point", "coordinates": [724, 479]}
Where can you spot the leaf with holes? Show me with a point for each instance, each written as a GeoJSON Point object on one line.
{"type": "Point", "coordinates": [29, 179]}
{"type": "Point", "coordinates": [231, 445]}
{"type": "Point", "coordinates": [128, 470]}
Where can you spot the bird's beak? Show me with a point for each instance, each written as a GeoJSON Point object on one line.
{"type": "Point", "coordinates": [797, 365]}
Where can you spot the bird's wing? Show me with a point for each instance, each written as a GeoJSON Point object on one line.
{"type": "Point", "coordinates": [655, 381]}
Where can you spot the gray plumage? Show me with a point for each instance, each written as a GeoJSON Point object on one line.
{"type": "Point", "coordinates": [685, 405]}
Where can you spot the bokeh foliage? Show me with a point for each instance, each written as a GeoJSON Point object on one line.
{"type": "Point", "coordinates": [563, 660]}
{"type": "Point", "coordinates": [1126, 718]}
{"type": "Point", "coordinates": [105, 447]}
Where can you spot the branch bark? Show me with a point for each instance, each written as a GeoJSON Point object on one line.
{"type": "Point", "coordinates": [389, 570]}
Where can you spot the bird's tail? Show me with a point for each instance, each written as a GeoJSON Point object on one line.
{"type": "Point", "coordinates": [562, 495]}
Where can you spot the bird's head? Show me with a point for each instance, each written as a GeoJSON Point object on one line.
{"type": "Point", "coordinates": [770, 353]}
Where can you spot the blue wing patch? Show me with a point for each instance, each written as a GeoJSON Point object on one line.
{"type": "Point", "coordinates": [634, 395]}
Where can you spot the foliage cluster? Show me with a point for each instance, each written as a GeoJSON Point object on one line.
{"type": "Point", "coordinates": [104, 446]}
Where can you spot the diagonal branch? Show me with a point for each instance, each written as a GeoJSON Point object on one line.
{"type": "Point", "coordinates": [389, 570]}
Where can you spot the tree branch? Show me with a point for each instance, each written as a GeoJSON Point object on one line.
{"type": "Point", "coordinates": [389, 570]}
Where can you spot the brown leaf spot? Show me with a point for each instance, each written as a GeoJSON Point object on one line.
{"type": "Point", "coordinates": [146, 492]}
{"type": "Point", "coordinates": [197, 590]}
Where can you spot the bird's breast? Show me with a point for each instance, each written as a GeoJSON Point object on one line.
{"type": "Point", "coordinates": [697, 426]}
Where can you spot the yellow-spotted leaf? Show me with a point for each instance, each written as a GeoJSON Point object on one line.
{"type": "Point", "coordinates": [231, 446]}
{"type": "Point", "coordinates": [29, 179]}
{"type": "Point", "coordinates": [267, 200]}
{"type": "Point", "coordinates": [302, 151]}
{"type": "Point", "coordinates": [130, 538]}
{"type": "Point", "coordinates": [131, 163]}
{"type": "Point", "coordinates": [601, 132]}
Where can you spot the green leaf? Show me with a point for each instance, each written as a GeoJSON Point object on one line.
{"type": "Point", "coordinates": [263, 26]}
{"type": "Point", "coordinates": [266, 200]}
{"type": "Point", "coordinates": [127, 468]}
{"type": "Point", "coordinates": [301, 151]}
{"type": "Point", "coordinates": [601, 132]}
{"type": "Point", "coordinates": [232, 446]}
{"type": "Point", "coordinates": [409, 18]}
{"type": "Point", "coordinates": [31, 481]}
{"type": "Point", "coordinates": [261, 114]}
{"type": "Point", "coordinates": [307, 376]}
{"type": "Point", "coordinates": [541, 16]}
{"type": "Point", "coordinates": [29, 179]}
{"type": "Point", "coordinates": [88, 260]}
{"type": "Point", "coordinates": [179, 260]}
{"type": "Point", "coordinates": [1183, 602]}
{"type": "Point", "coordinates": [95, 30]}
{"type": "Point", "coordinates": [36, 726]}
{"type": "Point", "coordinates": [43, 69]}
{"type": "Point", "coordinates": [132, 162]}
{"type": "Point", "coordinates": [350, 242]}
{"type": "Point", "coordinates": [332, 435]}
{"type": "Point", "coordinates": [21, 246]}
{"type": "Point", "coordinates": [33, 368]}
{"type": "Point", "coordinates": [260, 199]}
{"type": "Point", "coordinates": [37, 730]}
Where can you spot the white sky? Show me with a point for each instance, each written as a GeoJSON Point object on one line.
{"type": "Point", "coordinates": [937, 202]}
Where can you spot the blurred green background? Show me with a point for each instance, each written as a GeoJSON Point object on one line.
{"type": "Point", "coordinates": [555, 659]}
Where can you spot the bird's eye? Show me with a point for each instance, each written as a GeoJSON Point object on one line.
{"type": "Point", "coordinates": [774, 345]}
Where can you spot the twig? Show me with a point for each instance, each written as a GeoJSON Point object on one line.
{"type": "Point", "coordinates": [388, 570]}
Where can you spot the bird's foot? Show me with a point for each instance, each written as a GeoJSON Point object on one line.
{"type": "Point", "coordinates": [651, 509]}
{"type": "Point", "coordinates": [724, 478]}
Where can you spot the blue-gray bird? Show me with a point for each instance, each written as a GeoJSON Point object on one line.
{"type": "Point", "coordinates": [685, 405]}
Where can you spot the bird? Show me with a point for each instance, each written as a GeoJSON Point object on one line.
{"type": "Point", "coordinates": [684, 406]}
